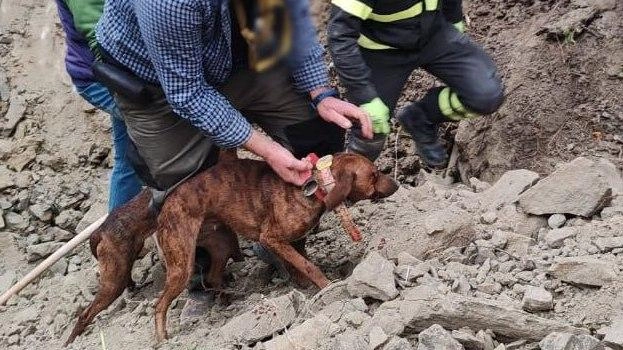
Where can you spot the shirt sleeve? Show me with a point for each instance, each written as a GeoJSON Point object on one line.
{"type": "Point", "coordinates": [306, 60]}
{"type": "Point", "coordinates": [172, 31]}
{"type": "Point", "coordinates": [86, 13]}
{"type": "Point", "coordinates": [344, 29]}
{"type": "Point", "coordinates": [453, 10]}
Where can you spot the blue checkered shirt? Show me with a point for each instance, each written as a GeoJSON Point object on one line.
{"type": "Point", "coordinates": [185, 46]}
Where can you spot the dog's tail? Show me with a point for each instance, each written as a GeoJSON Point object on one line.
{"type": "Point", "coordinates": [95, 239]}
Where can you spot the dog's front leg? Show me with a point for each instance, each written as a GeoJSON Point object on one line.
{"type": "Point", "coordinates": [286, 252]}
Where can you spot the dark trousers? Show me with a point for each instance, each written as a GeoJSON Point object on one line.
{"type": "Point", "coordinates": [172, 149]}
{"type": "Point", "coordinates": [451, 56]}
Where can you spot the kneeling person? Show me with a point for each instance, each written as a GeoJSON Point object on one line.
{"type": "Point", "coordinates": [376, 45]}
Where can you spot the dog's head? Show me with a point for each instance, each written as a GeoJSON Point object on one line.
{"type": "Point", "coordinates": [356, 178]}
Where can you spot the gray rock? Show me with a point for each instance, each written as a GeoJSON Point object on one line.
{"type": "Point", "coordinates": [13, 340]}
{"type": "Point", "coordinates": [489, 217]}
{"type": "Point", "coordinates": [565, 190]}
{"type": "Point", "coordinates": [571, 23]}
{"type": "Point", "coordinates": [397, 343]}
{"type": "Point", "coordinates": [377, 337]}
{"type": "Point", "coordinates": [437, 338]}
{"type": "Point", "coordinates": [583, 270]}
{"type": "Point", "coordinates": [349, 340]}
{"type": "Point", "coordinates": [602, 5]}
{"type": "Point", "coordinates": [410, 273]}
{"type": "Point", "coordinates": [59, 234]}
{"type": "Point", "coordinates": [59, 268]}
{"type": "Point", "coordinates": [516, 345]}
{"type": "Point", "coordinates": [556, 220]}
{"type": "Point", "coordinates": [479, 186]}
{"type": "Point", "coordinates": [7, 178]}
{"type": "Point", "coordinates": [373, 277]}
{"type": "Point", "coordinates": [501, 347]}
{"type": "Point", "coordinates": [41, 251]}
{"type": "Point", "coordinates": [487, 339]}
{"type": "Point", "coordinates": [611, 212]}
{"type": "Point", "coordinates": [468, 339]}
{"type": "Point", "coordinates": [517, 245]}
{"type": "Point", "coordinates": [268, 317]}
{"type": "Point", "coordinates": [508, 188]}
{"type": "Point", "coordinates": [424, 305]}
{"type": "Point", "coordinates": [41, 211]}
{"type": "Point", "coordinates": [68, 219]}
{"type": "Point", "coordinates": [566, 341]}
{"type": "Point", "coordinates": [586, 342]}
{"type": "Point", "coordinates": [556, 237]}
{"type": "Point", "coordinates": [97, 210]}
{"type": "Point", "coordinates": [7, 280]}
{"type": "Point", "coordinates": [15, 221]}
{"type": "Point", "coordinates": [20, 161]}
{"type": "Point", "coordinates": [614, 335]}
{"type": "Point", "coordinates": [537, 299]}
{"type": "Point", "coordinates": [30, 314]}
{"type": "Point", "coordinates": [405, 258]}
{"type": "Point", "coordinates": [309, 335]}
{"type": "Point", "coordinates": [338, 309]}
{"type": "Point", "coordinates": [14, 115]}
{"type": "Point", "coordinates": [606, 244]}
{"type": "Point", "coordinates": [389, 318]}
{"type": "Point", "coordinates": [2, 223]}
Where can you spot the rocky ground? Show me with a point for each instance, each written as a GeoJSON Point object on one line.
{"type": "Point", "coordinates": [515, 260]}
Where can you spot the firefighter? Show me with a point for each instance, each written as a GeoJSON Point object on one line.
{"type": "Point", "coordinates": [377, 44]}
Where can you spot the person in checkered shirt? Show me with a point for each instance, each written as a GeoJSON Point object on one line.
{"type": "Point", "coordinates": [200, 60]}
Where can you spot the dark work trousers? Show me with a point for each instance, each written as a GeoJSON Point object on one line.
{"type": "Point", "coordinates": [172, 149]}
{"type": "Point", "coordinates": [449, 55]}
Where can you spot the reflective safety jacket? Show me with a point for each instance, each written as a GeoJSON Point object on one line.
{"type": "Point", "coordinates": [381, 25]}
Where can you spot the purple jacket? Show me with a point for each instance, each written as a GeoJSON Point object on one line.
{"type": "Point", "coordinates": [79, 57]}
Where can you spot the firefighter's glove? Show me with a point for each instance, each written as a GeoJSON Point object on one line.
{"type": "Point", "coordinates": [460, 26]}
{"type": "Point", "coordinates": [379, 115]}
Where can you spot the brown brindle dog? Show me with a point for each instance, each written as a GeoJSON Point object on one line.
{"type": "Point", "coordinates": [118, 242]}
{"type": "Point", "coordinates": [247, 197]}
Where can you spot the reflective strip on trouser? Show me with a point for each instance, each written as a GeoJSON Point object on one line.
{"type": "Point", "coordinates": [370, 44]}
{"type": "Point", "coordinates": [354, 7]}
{"type": "Point", "coordinates": [451, 107]}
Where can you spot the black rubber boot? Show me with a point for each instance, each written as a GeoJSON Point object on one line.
{"type": "Point", "coordinates": [369, 148]}
{"type": "Point", "coordinates": [425, 134]}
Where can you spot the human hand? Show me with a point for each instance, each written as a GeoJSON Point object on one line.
{"type": "Point", "coordinates": [280, 159]}
{"type": "Point", "coordinates": [343, 113]}
{"type": "Point", "coordinates": [379, 115]}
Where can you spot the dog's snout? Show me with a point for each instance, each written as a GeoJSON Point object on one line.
{"type": "Point", "coordinates": [385, 186]}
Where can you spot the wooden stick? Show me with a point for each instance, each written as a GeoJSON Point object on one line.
{"type": "Point", "coordinates": [64, 250]}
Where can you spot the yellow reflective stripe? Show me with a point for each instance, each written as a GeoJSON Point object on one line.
{"type": "Point", "coordinates": [459, 112]}
{"type": "Point", "coordinates": [446, 107]}
{"type": "Point", "coordinates": [412, 11]}
{"type": "Point", "coordinates": [456, 104]}
{"type": "Point", "coordinates": [354, 7]}
{"type": "Point", "coordinates": [431, 5]}
{"type": "Point", "coordinates": [368, 43]}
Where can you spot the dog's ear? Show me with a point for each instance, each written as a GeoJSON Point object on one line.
{"type": "Point", "coordinates": [343, 186]}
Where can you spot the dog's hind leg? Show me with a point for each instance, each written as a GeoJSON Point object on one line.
{"type": "Point", "coordinates": [177, 236]}
{"type": "Point", "coordinates": [115, 274]}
